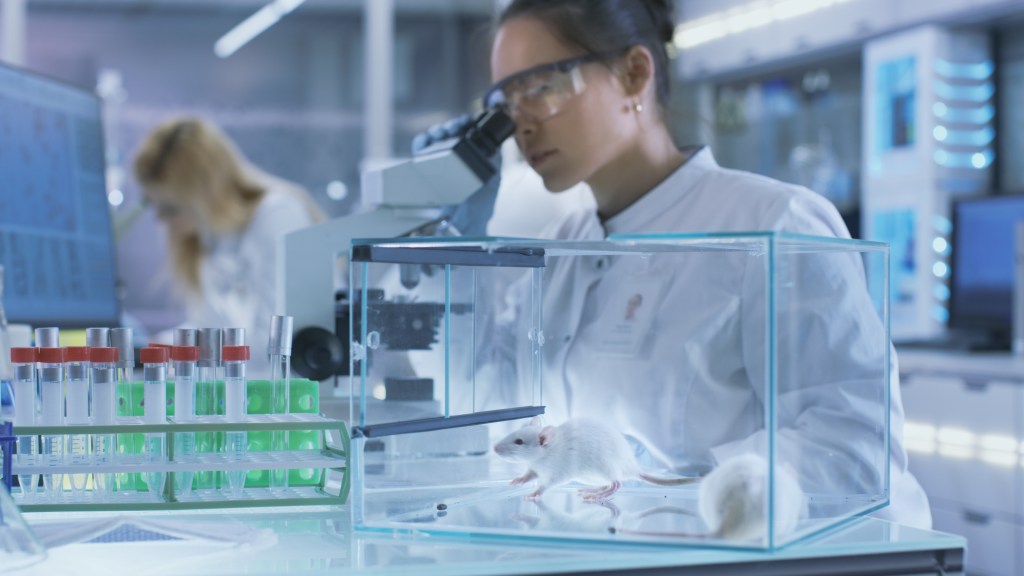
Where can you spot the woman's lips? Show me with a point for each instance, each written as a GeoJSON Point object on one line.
{"type": "Point", "coordinates": [538, 158]}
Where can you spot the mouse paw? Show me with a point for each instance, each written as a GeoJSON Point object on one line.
{"type": "Point", "coordinates": [535, 495]}
{"type": "Point", "coordinates": [600, 494]}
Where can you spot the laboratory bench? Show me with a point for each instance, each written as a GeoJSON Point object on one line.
{"type": "Point", "coordinates": [319, 540]}
{"type": "Point", "coordinates": [964, 436]}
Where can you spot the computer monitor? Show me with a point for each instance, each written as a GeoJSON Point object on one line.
{"type": "Point", "coordinates": [983, 258]}
{"type": "Point", "coordinates": [56, 241]}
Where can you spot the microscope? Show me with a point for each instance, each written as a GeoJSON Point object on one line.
{"type": "Point", "coordinates": [407, 197]}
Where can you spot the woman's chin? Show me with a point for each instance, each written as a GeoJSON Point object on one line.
{"type": "Point", "coordinates": [555, 184]}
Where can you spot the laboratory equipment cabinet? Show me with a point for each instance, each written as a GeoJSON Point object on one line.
{"type": "Point", "coordinates": [964, 432]}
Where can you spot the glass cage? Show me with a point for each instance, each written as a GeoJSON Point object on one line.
{"type": "Point", "coordinates": [715, 389]}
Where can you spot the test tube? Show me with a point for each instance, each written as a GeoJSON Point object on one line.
{"type": "Point", "coordinates": [235, 401]}
{"type": "Point", "coordinates": [154, 386]}
{"type": "Point", "coordinates": [103, 368]}
{"type": "Point", "coordinates": [23, 365]}
{"type": "Point", "coordinates": [184, 359]}
{"type": "Point", "coordinates": [51, 389]}
{"type": "Point", "coordinates": [121, 338]}
{"type": "Point", "coordinates": [279, 349]}
{"type": "Point", "coordinates": [207, 397]}
{"type": "Point", "coordinates": [97, 337]}
{"type": "Point", "coordinates": [47, 337]}
{"type": "Point", "coordinates": [76, 374]}
{"type": "Point", "coordinates": [186, 337]}
{"type": "Point", "coordinates": [234, 337]}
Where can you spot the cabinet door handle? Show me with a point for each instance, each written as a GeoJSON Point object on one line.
{"type": "Point", "coordinates": [979, 518]}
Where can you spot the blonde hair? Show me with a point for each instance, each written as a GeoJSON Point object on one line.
{"type": "Point", "coordinates": [195, 163]}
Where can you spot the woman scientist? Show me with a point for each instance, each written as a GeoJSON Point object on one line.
{"type": "Point", "coordinates": [223, 218]}
{"type": "Point", "coordinates": [586, 82]}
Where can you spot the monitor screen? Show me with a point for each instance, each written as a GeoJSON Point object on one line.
{"type": "Point", "coordinates": [983, 263]}
{"type": "Point", "coordinates": [56, 242]}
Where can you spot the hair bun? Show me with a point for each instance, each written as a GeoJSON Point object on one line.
{"type": "Point", "coordinates": [663, 15]}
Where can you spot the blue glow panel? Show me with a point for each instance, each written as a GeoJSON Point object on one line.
{"type": "Point", "coordinates": [56, 243]}
{"type": "Point", "coordinates": [955, 71]}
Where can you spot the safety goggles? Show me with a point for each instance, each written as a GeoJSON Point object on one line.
{"type": "Point", "coordinates": [539, 92]}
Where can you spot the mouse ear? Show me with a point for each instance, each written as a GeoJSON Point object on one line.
{"type": "Point", "coordinates": [546, 434]}
{"type": "Point", "coordinates": [537, 421]}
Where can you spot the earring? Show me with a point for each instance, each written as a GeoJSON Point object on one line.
{"type": "Point", "coordinates": [638, 107]}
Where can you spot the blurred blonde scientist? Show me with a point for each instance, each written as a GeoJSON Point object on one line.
{"type": "Point", "coordinates": [586, 82]}
{"type": "Point", "coordinates": [223, 218]}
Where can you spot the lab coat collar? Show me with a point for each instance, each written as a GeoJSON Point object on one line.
{"type": "Point", "coordinates": [638, 215]}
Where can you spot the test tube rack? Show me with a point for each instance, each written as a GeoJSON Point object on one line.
{"type": "Point", "coordinates": [327, 463]}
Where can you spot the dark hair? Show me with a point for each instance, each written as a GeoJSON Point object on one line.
{"type": "Point", "coordinates": [602, 27]}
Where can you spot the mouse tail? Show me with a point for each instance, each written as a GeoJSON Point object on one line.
{"type": "Point", "coordinates": [678, 481]}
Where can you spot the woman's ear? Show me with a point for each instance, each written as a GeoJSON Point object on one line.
{"type": "Point", "coordinates": [636, 71]}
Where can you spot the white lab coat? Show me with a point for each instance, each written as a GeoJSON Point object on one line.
{"type": "Point", "coordinates": [690, 408]}
{"type": "Point", "coordinates": [238, 274]}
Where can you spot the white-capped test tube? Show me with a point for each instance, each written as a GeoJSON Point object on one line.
{"type": "Point", "coordinates": [154, 386]}
{"type": "Point", "coordinates": [23, 365]}
{"type": "Point", "coordinates": [235, 407]}
{"type": "Point", "coordinates": [184, 359]}
{"type": "Point", "coordinates": [76, 376]}
{"type": "Point", "coordinates": [51, 413]}
{"type": "Point", "coordinates": [103, 370]}
{"type": "Point", "coordinates": [279, 350]}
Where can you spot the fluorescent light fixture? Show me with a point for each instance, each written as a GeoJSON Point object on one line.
{"type": "Point", "coordinates": [956, 436]}
{"type": "Point", "coordinates": [750, 16]}
{"type": "Point", "coordinates": [699, 32]}
{"type": "Point", "coordinates": [920, 446]}
{"type": "Point", "coordinates": [920, 431]}
{"type": "Point", "coordinates": [998, 458]}
{"type": "Point", "coordinates": [253, 26]}
{"type": "Point", "coordinates": [998, 443]}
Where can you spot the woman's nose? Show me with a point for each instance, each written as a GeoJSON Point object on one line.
{"type": "Point", "coordinates": [525, 125]}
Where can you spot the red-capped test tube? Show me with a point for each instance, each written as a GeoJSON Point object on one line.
{"type": "Point", "coordinates": [51, 413]}
{"type": "Point", "coordinates": [235, 403]}
{"type": "Point", "coordinates": [154, 396]}
{"type": "Point", "coordinates": [184, 359]}
{"type": "Point", "coordinates": [103, 372]}
{"type": "Point", "coordinates": [76, 376]}
{"type": "Point", "coordinates": [23, 367]}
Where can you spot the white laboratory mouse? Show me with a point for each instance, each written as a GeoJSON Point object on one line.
{"type": "Point", "coordinates": [579, 450]}
{"type": "Point", "coordinates": [732, 499]}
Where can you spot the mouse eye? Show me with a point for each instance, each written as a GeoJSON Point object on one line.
{"type": "Point", "coordinates": [519, 441]}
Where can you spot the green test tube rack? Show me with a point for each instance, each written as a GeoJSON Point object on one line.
{"type": "Point", "coordinates": [316, 458]}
